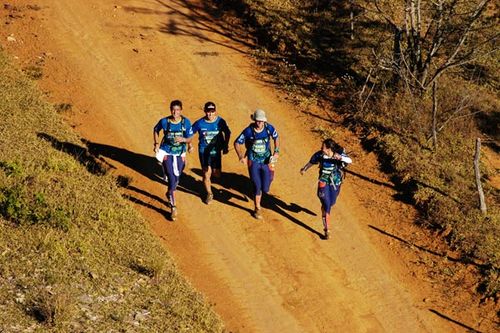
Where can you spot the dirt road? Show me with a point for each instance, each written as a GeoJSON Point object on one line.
{"type": "Point", "coordinates": [119, 63]}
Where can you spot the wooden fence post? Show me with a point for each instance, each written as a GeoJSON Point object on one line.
{"type": "Point", "coordinates": [482, 203]}
{"type": "Point", "coordinates": [351, 18]}
{"type": "Point", "coordinates": [434, 114]}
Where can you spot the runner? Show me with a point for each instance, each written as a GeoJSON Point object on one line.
{"type": "Point", "coordinates": [331, 159]}
{"type": "Point", "coordinates": [177, 132]}
{"type": "Point", "coordinates": [258, 156]}
{"type": "Point", "coordinates": [213, 141]}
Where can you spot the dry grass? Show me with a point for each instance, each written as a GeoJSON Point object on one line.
{"type": "Point", "coordinates": [309, 53]}
{"type": "Point", "coordinates": [74, 255]}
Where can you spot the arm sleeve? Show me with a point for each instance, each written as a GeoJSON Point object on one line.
{"type": "Point", "coordinates": [225, 128]}
{"type": "Point", "coordinates": [241, 138]}
{"type": "Point", "coordinates": [315, 158]}
{"type": "Point", "coordinates": [274, 133]}
{"type": "Point", "coordinates": [196, 126]}
{"type": "Point", "coordinates": [346, 159]}
{"type": "Point", "coordinates": [158, 127]}
{"type": "Point", "coordinates": [189, 129]}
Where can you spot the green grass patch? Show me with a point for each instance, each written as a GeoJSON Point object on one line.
{"type": "Point", "coordinates": [74, 255]}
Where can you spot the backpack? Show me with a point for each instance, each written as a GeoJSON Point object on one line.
{"type": "Point", "coordinates": [183, 128]}
{"type": "Point", "coordinates": [340, 168]}
{"type": "Point", "coordinates": [183, 125]}
{"type": "Point", "coordinates": [249, 143]}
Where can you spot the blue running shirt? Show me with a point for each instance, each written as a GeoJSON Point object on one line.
{"type": "Point", "coordinates": [171, 131]}
{"type": "Point", "coordinates": [329, 168]}
{"type": "Point", "coordinates": [258, 143]}
{"type": "Point", "coordinates": [210, 134]}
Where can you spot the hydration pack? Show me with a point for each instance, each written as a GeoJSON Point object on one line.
{"type": "Point", "coordinates": [250, 141]}
{"type": "Point", "coordinates": [183, 129]}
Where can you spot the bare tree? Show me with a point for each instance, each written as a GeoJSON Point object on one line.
{"type": "Point", "coordinates": [431, 37]}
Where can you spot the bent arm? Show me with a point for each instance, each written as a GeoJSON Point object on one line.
{"type": "Point", "coordinates": [155, 141]}
{"type": "Point", "coordinates": [276, 145]}
{"type": "Point", "coordinates": [238, 149]}
{"type": "Point", "coordinates": [181, 139]}
{"type": "Point", "coordinates": [227, 137]}
{"type": "Point", "coordinates": [343, 158]}
{"type": "Point", "coordinates": [305, 167]}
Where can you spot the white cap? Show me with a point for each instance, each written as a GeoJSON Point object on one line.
{"type": "Point", "coordinates": [259, 115]}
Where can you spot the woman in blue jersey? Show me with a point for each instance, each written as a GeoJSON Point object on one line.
{"type": "Point", "coordinates": [259, 156]}
{"type": "Point", "coordinates": [331, 159]}
{"type": "Point", "coordinates": [213, 141]}
{"type": "Point", "coordinates": [171, 152]}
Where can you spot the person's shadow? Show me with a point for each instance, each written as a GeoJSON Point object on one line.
{"type": "Point", "coordinates": [244, 192]}
{"type": "Point", "coordinates": [146, 165]}
{"type": "Point", "coordinates": [274, 203]}
{"type": "Point", "coordinates": [227, 182]}
{"type": "Point", "coordinates": [92, 155]}
{"type": "Point", "coordinates": [92, 158]}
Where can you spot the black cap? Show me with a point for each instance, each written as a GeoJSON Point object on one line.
{"type": "Point", "coordinates": [209, 106]}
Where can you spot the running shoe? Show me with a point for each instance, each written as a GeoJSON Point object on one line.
{"type": "Point", "coordinates": [167, 201]}
{"type": "Point", "coordinates": [327, 234]}
{"type": "Point", "coordinates": [209, 198]}
{"type": "Point", "coordinates": [173, 213]}
{"type": "Point", "coordinates": [257, 214]}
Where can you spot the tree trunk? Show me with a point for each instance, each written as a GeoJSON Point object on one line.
{"type": "Point", "coordinates": [482, 203]}
{"type": "Point", "coordinates": [396, 56]}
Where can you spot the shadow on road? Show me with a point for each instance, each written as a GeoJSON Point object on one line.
{"type": "Point", "coordinates": [242, 185]}
{"type": "Point", "coordinates": [468, 328]}
{"type": "Point", "coordinates": [92, 158]}
{"type": "Point", "coordinates": [195, 21]}
{"type": "Point", "coordinates": [421, 248]}
{"type": "Point", "coordinates": [274, 203]}
{"type": "Point", "coordinates": [368, 179]}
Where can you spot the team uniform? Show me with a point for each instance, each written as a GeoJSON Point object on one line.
{"type": "Point", "coordinates": [211, 141]}
{"type": "Point", "coordinates": [259, 153]}
{"type": "Point", "coordinates": [174, 160]}
{"type": "Point", "coordinates": [330, 178]}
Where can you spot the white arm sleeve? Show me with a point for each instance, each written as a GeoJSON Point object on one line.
{"type": "Point", "coordinates": [346, 159]}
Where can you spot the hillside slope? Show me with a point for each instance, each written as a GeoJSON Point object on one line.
{"type": "Point", "coordinates": [75, 256]}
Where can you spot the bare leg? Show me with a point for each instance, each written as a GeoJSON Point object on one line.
{"type": "Point", "coordinates": [207, 174]}
{"type": "Point", "coordinates": [216, 174]}
{"type": "Point", "coordinates": [257, 213]}
{"type": "Point", "coordinates": [326, 222]}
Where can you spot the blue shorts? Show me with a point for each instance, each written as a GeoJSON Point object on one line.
{"type": "Point", "coordinates": [328, 195]}
{"type": "Point", "coordinates": [261, 176]}
{"type": "Point", "coordinates": [210, 158]}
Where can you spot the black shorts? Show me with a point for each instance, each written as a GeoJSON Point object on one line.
{"type": "Point", "coordinates": [211, 158]}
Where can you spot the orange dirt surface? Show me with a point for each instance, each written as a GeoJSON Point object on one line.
{"type": "Point", "coordinates": [119, 64]}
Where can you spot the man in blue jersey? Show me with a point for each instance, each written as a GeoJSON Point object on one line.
{"type": "Point", "coordinates": [213, 141]}
{"type": "Point", "coordinates": [331, 159]}
{"type": "Point", "coordinates": [260, 158]}
{"type": "Point", "coordinates": [171, 152]}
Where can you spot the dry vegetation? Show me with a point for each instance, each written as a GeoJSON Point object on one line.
{"type": "Point", "coordinates": [385, 94]}
{"type": "Point", "coordinates": [74, 255]}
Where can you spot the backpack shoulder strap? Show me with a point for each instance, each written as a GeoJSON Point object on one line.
{"type": "Point", "coordinates": [183, 125]}
{"type": "Point", "coordinates": [268, 131]}
{"type": "Point", "coordinates": [167, 129]}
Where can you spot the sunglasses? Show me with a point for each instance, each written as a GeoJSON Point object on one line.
{"type": "Point", "coordinates": [210, 111]}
